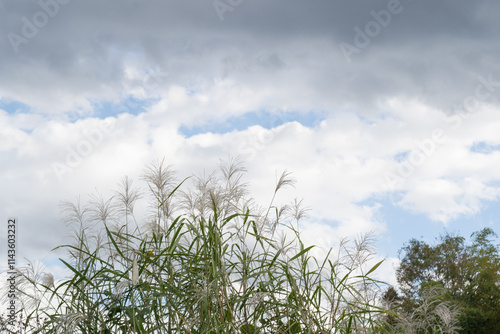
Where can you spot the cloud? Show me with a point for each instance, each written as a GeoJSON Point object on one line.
{"type": "Point", "coordinates": [153, 69]}
{"type": "Point", "coordinates": [87, 51]}
{"type": "Point", "coordinates": [340, 163]}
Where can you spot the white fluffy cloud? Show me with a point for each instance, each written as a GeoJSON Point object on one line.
{"type": "Point", "coordinates": [413, 118]}
{"type": "Point", "coordinates": [340, 164]}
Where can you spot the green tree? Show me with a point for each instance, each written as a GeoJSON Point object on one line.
{"type": "Point", "coordinates": [469, 272]}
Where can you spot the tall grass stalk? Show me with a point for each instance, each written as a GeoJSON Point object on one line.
{"type": "Point", "coordinates": [207, 259]}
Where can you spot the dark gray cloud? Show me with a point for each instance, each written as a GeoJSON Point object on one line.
{"type": "Point", "coordinates": [432, 51]}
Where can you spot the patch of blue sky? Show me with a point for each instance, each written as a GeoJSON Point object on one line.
{"type": "Point", "coordinates": [487, 217]}
{"type": "Point", "coordinates": [403, 224]}
{"type": "Point", "coordinates": [484, 148]}
{"type": "Point", "coordinates": [14, 107]}
{"type": "Point", "coordinates": [53, 261]}
{"type": "Point", "coordinates": [403, 156]}
{"type": "Point", "coordinates": [266, 119]}
{"type": "Point", "coordinates": [128, 104]}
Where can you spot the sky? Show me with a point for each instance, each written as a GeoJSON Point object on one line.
{"type": "Point", "coordinates": [385, 111]}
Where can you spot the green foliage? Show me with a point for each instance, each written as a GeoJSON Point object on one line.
{"type": "Point", "coordinates": [434, 313]}
{"type": "Point", "coordinates": [206, 260]}
{"type": "Point", "coordinates": [469, 274]}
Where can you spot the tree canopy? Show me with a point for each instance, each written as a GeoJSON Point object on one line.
{"type": "Point", "coordinates": [469, 272]}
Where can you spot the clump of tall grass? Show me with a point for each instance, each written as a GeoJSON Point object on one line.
{"type": "Point", "coordinates": [434, 314]}
{"type": "Point", "coordinates": [207, 259]}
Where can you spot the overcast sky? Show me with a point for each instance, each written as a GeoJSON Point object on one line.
{"type": "Point", "coordinates": [386, 112]}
